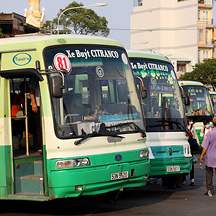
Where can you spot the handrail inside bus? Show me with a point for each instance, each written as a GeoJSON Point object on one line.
{"type": "Point", "coordinates": [21, 72]}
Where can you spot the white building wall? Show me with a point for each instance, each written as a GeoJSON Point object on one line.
{"type": "Point", "coordinates": [168, 27]}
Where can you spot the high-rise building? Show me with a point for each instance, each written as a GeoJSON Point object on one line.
{"type": "Point", "coordinates": [205, 29]}
{"type": "Point", "coordinates": [214, 40]}
{"type": "Point", "coordinates": [33, 15]}
{"type": "Point", "coordinates": [181, 30]}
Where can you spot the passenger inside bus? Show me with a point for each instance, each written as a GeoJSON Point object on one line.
{"type": "Point", "coordinates": [20, 94]}
{"type": "Point", "coordinates": [74, 109]}
{"type": "Point", "coordinates": [19, 101]}
{"type": "Point", "coordinates": [35, 112]}
{"type": "Point", "coordinates": [17, 110]}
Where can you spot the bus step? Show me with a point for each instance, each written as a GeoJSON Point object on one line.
{"type": "Point", "coordinates": [38, 167]}
{"type": "Point", "coordinates": [28, 196]}
{"type": "Point", "coordinates": [32, 184]}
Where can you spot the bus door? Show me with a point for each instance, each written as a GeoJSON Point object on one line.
{"type": "Point", "coordinates": [26, 136]}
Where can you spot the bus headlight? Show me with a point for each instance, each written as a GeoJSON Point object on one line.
{"type": "Point", "coordinates": [72, 163]}
{"type": "Point", "coordinates": [187, 150]}
{"type": "Point", "coordinates": [144, 154]}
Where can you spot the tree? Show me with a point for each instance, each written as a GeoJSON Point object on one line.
{"type": "Point", "coordinates": [1, 32]}
{"type": "Point", "coordinates": [82, 21]}
{"type": "Point", "coordinates": [203, 72]}
{"type": "Point", "coordinates": [48, 28]}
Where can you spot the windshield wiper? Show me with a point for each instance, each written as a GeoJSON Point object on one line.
{"type": "Point", "coordinates": [174, 122]}
{"type": "Point", "coordinates": [95, 134]}
{"type": "Point", "coordinates": [128, 124]}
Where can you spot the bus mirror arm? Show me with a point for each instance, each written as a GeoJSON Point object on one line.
{"type": "Point", "coordinates": [64, 72]}
{"type": "Point", "coordinates": [187, 99]}
{"type": "Point", "coordinates": [185, 96]}
{"type": "Point", "coordinates": [143, 90]}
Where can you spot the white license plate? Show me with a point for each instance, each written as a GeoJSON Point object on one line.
{"type": "Point", "coordinates": [173, 168]}
{"type": "Point", "coordinates": [119, 175]}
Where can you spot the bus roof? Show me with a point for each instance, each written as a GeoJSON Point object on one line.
{"type": "Point", "coordinates": [212, 92]}
{"type": "Point", "coordinates": [11, 44]}
{"type": "Point", "coordinates": [145, 54]}
{"type": "Point", "coordinates": [193, 83]}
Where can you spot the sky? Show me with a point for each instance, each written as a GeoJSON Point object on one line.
{"type": "Point", "coordinates": [117, 13]}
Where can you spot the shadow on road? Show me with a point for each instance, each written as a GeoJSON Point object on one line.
{"type": "Point", "coordinates": [130, 198]}
{"type": "Point", "coordinates": [105, 203]}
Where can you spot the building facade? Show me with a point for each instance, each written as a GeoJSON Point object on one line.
{"type": "Point", "coordinates": [214, 39]}
{"type": "Point", "coordinates": [171, 28]}
{"type": "Point", "coordinates": [205, 30]}
{"type": "Point", "coordinates": [13, 24]}
{"type": "Point", "coordinates": [33, 15]}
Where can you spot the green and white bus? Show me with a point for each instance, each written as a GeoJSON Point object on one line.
{"type": "Point", "coordinates": [213, 98]}
{"type": "Point", "coordinates": [200, 107]}
{"type": "Point", "coordinates": [86, 133]}
{"type": "Point", "coordinates": [167, 137]}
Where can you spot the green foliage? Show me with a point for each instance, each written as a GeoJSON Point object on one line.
{"type": "Point", "coordinates": [1, 32]}
{"type": "Point", "coordinates": [82, 21]}
{"type": "Point", "coordinates": [203, 72]}
{"type": "Point", "coordinates": [48, 28]}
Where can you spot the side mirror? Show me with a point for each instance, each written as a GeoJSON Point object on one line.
{"type": "Point", "coordinates": [56, 84]}
{"type": "Point", "coordinates": [185, 96]}
{"type": "Point", "coordinates": [143, 90]}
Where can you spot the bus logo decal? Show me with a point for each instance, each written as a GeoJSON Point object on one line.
{"type": "Point", "coordinates": [22, 59]}
{"type": "Point", "coordinates": [100, 71]}
{"type": "Point", "coordinates": [118, 157]}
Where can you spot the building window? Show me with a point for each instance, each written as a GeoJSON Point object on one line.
{"type": "Point", "coordinates": [199, 56]}
{"type": "Point", "coordinates": [201, 36]}
{"type": "Point", "coordinates": [198, 14]}
{"type": "Point", "coordinates": [204, 15]}
{"type": "Point", "coordinates": [181, 67]}
{"type": "Point", "coordinates": [205, 54]}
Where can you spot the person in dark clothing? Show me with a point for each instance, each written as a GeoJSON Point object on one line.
{"type": "Point", "coordinates": [193, 146]}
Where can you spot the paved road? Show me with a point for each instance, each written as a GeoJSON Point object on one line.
{"type": "Point", "coordinates": [149, 200]}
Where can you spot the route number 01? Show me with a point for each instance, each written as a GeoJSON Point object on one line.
{"type": "Point", "coordinates": [61, 61]}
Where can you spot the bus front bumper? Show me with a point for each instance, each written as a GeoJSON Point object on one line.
{"type": "Point", "coordinates": [96, 180]}
{"type": "Point", "coordinates": [166, 166]}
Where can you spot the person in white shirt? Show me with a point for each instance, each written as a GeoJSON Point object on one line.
{"type": "Point", "coordinates": [193, 130]}
{"type": "Point", "coordinates": [206, 128]}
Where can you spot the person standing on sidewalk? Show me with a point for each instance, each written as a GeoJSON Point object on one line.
{"type": "Point", "coordinates": [209, 150]}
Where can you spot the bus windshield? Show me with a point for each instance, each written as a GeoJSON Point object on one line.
{"type": "Point", "coordinates": [200, 102]}
{"type": "Point", "coordinates": [99, 91]}
{"type": "Point", "coordinates": [163, 106]}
